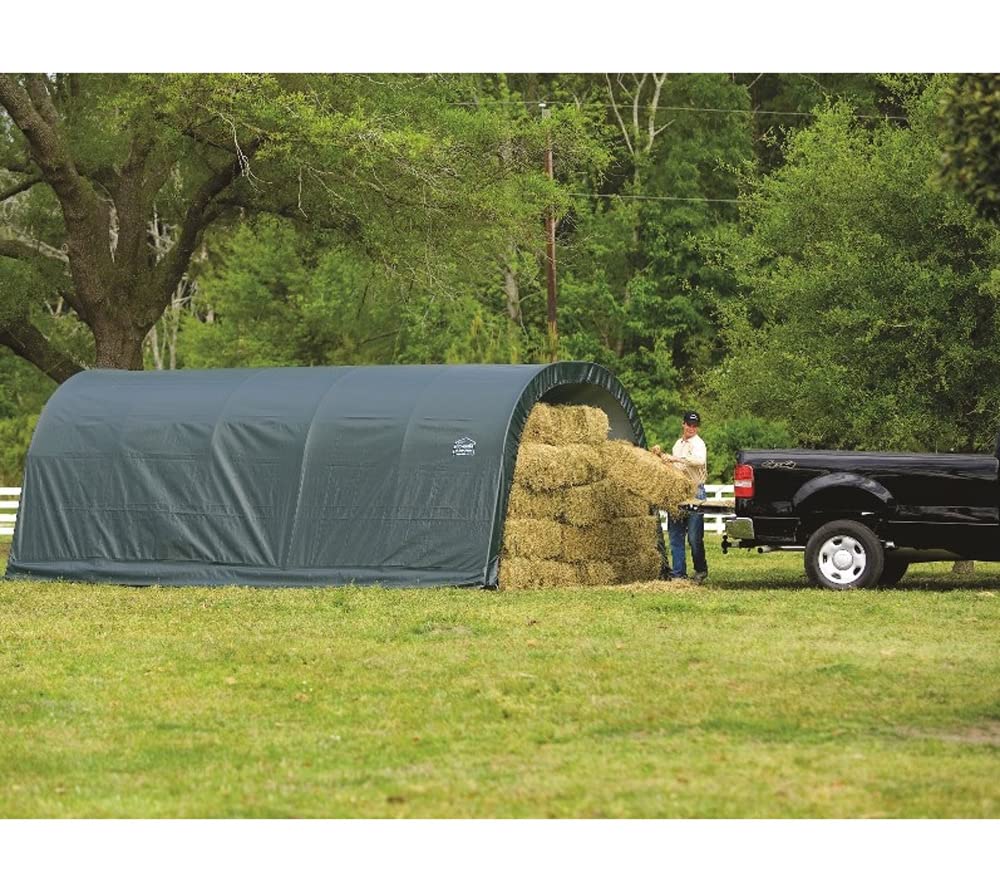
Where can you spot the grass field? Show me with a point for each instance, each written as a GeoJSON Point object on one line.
{"type": "Point", "coordinates": [750, 696]}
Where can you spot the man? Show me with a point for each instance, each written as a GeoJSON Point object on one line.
{"type": "Point", "coordinates": [691, 456]}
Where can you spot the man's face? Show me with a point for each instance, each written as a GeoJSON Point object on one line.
{"type": "Point", "coordinates": [689, 430]}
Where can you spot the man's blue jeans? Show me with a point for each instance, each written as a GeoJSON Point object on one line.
{"type": "Point", "coordinates": [692, 528]}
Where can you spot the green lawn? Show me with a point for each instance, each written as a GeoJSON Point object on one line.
{"type": "Point", "coordinates": [751, 696]}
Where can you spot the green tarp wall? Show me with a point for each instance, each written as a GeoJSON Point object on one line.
{"type": "Point", "coordinates": [397, 475]}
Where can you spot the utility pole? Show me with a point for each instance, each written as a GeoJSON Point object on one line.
{"type": "Point", "coordinates": [550, 252]}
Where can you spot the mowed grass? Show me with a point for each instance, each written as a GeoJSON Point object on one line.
{"type": "Point", "coordinates": [750, 696]}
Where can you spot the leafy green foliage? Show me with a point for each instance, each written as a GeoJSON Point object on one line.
{"type": "Point", "coordinates": [866, 315]}
{"type": "Point", "coordinates": [402, 170]}
{"type": "Point", "coordinates": [634, 288]}
{"type": "Point", "coordinates": [972, 147]}
{"type": "Point", "coordinates": [743, 432]}
{"type": "Point", "coordinates": [273, 296]}
{"type": "Point", "coordinates": [25, 390]}
{"type": "Point", "coordinates": [399, 219]}
{"type": "Point", "coordinates": [15, 438]}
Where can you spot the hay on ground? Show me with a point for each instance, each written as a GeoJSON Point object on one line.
{"type": "Point", "coordinates": [654, 586]}
{"type": "Point", "coordinates": [533, 538]}
{"type": "Point", "coordinates": [527, 573]}
{"type": "Point", "coordinates": [562, 425]}
{"type": "Point", "coordinates": [645, 475]}
{"type": "Point", "coordinates": [543, 468]}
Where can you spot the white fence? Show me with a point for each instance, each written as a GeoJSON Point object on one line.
{"type": "Point", "coordinates": [10, 501]}
{"type": "Point", "coordinates": [713, 522]}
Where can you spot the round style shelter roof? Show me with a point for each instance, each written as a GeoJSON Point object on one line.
{"type": "Point", "coordinates": [396, 475]}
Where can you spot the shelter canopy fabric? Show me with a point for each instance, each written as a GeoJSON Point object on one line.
{"type": "Point", "coordinates": [397, 475]}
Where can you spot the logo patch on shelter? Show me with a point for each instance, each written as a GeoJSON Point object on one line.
{"type": "Point", "coordinates": [464, 446]}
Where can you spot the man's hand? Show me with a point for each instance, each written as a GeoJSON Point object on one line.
{"type": "Point", "coordinates": [663, 456]}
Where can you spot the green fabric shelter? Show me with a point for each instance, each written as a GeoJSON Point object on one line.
{"type": "Point", "coordinates": [396, 475]}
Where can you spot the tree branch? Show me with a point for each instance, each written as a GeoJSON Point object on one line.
{"type": "Point", "coordinates": [41, 99]}
{"type": "Point", "coordinates": [30, 343]}
{"type": "Point", "coordinates": [131, 202]}
{"type": "Point", "coordinates": [635, 105]}
{"type": "Point", "coordinates": [654, 105]}
{"type": "Point", "coordinates": [197, 218]}
{"type": "Point", "coordinates": [86, 221]}
{"type": "Point", "coordinates": [15, 166]}
{"type": "Point", "coordinates": [25, 249]}
{"type": "Point", "coordinates": [36, 250]}
{"type": "Point", "coordinates": [17, 189]}
{"type": "Point", "coordinates": [614, 107]}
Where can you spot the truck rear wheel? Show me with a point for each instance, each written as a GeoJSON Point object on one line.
{"type": "Point", "coordinates": [844, 554]}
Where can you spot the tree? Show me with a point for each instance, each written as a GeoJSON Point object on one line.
{"type": "Point", "coordinates": [972, 145]}
{"type": "Point", "coordinates": [395, 167]}
{"type": "Point", "coordinates": [634, 287]}
{"type": "Point", "coordinates": [866, 316]}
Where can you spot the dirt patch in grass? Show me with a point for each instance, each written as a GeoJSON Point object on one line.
{"type": "Point", "coordinates": [987, 734]}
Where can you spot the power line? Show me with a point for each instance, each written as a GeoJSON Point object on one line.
{"type": "Point", "coordinates": [670, 108]}
{"type": "Point", "coordinates": [656, 197]}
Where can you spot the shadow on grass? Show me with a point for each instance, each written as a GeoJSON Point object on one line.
{"type": "Point", "coordinates": [944, 582]}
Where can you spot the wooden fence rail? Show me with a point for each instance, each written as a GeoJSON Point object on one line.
{"type": "Point", "coordinates": [713, 522]}
{"type": "Point", "coordinates": [10, 497]}
{"type": "Point", "coordinates": [10, 500]}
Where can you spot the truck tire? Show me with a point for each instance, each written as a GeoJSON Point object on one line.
{"type": "Point", "coordinates": [893, 571]}
{"type": "Point", "coordinates": [844, 554]}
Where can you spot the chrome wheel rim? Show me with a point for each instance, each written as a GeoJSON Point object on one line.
{"type": "Point", "coordinates": [842, 560]}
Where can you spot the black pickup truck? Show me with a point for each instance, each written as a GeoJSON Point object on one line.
{"type": "Point", "coordinates": [863, 517]}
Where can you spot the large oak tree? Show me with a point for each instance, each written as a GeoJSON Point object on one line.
{"type": "Point", "coordinates": [109, 184]}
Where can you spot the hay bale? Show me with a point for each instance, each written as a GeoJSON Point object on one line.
{"type": "Point", "coordinates": [523, 503]}
{"type": "Point", "coordinates": [583, 506]}
{"type": "Point", "coordinates": [562, 425]}
{"type": "Point", "coordinates": [596, 573]}
{"type": "Point", "coordinates": [532, 538]}
{"type": "Point", "coordinates": [543, 468]}
{"type": "Point", "coordinates": [609, 540]}
{"type": "Point", "coordinates": [643, 474]}
{"type": "Point", "coordinates": [639, 566]}
{"type": "Point", "coordinates": [598, 502]}
{"type": "Point", "coordinates": [579, 507]}
{"type": "Point", "coordinates": [518, 572]}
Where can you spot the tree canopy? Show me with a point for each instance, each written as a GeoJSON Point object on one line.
{"type": "Point", "coordinates": [972, 139]}
{"type": "Point", "coordinates": [866, 312]}
{"type": "Point", "coordinates": [120, 178]}
{"type": "Point", "coordinates": [807, 259]}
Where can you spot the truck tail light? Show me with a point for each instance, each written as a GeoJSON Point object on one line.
{"type": "Point", "coordinates": [743, 482]}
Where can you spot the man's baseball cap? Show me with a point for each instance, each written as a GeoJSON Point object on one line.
{"type": "Point", "coordinates": [692, 418]}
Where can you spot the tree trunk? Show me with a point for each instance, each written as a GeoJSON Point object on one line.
{"type": "Point", "coordinates": [513, 294]}
{"type": "Point", "coordinates": [119, 345]}
{"type": "Point", "coordinates": [117, 291]}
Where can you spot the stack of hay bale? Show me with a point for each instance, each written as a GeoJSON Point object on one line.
{"type": "Point", "coordinates": [581, 509]}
